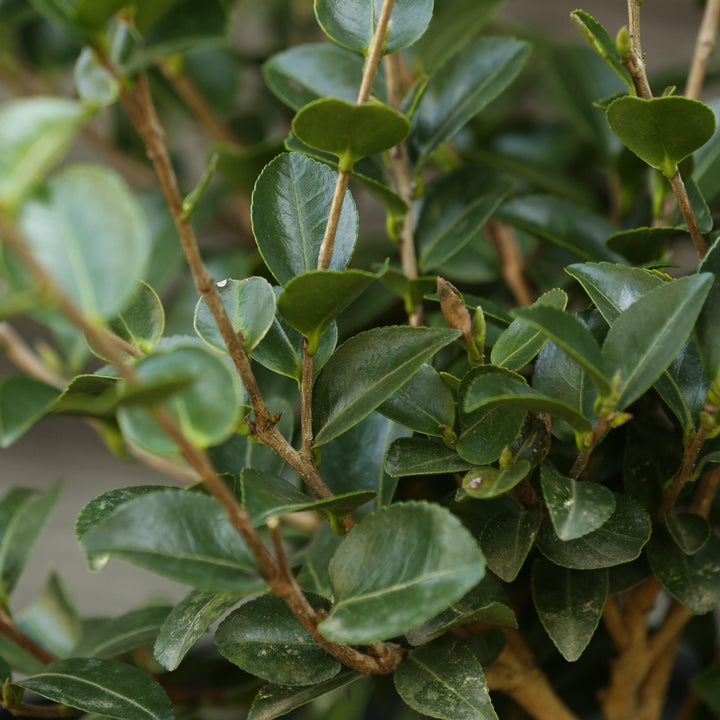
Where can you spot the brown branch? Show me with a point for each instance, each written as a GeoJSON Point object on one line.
{"type": "Point", "coordinates": [306, 386]}
{"type": "Point", "coordinates": [678, 186]}
{"type": "Point", "coordinates": [25, 359]}
{"type": "Point", "coordinates": [19, 638]}
{"type": "Point", "coordinates": [684, 475]}
{"type": "Point", "coordinates": [705, 493]}
{"type": "Point", "coordinates": [654, 689]}
{"type": "Point", "coordinates": [675, 620]}
{"type": "Point", "coordinates": [328, 241]}
{"type": "Point", "coordinates": [582, 459]}
{"type": "Point", "coordinates": [512, 262]}
{"type": "Point", "coordinates": [704, 47]}
{"type": "Point", "coordinates": [614, 622]}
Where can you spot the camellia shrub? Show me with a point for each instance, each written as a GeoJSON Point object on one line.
{"type": "Point", "coordinates": [450, 449]}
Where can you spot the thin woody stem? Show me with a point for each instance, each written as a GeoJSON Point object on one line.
{"type": "Point", "coordinates": [583, 458]}
{"type": "Point", "coordinates": [704, 47]}
{"type": "Point", "coordinates": [511, 260]}
{"type": "Point", "coordinates": [306, 385]}
{"type": "Point", "coordinates": [684, 474]}
{"type": "Point", "coordinates": [10, 631]}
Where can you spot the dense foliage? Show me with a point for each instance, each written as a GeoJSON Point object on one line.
{"type": "Point", "coordinates": [447, 447]}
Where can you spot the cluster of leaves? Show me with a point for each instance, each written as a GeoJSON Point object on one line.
{"type": "Point", "coordinates": [492, 455]}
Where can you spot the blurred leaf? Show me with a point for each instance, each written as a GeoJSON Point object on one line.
{"type": "Point", "coordinates": [445, 680]}
{"type": "Point", "coordinates": [264, 638]}
{"type": "Point", "coordinates": [507, 539]}
{"type": "Point", "coordinates": [706, 333]}
{"type": "Point", "coordinates": [240, 166]}
{"type": "Point", "coordinates": [707, 686]}
{"type": "Point", "coordinates": [689, 531]}
{"type": "Point", "coordinates": [642, 244]}
{"type": "Point", "coordinates": [187, 622]}
{"type": "Point", "coordinates": [661, 131]}
{"type": "Point", "coordinates": [569, 604]}
{"type": "Point", "coordinates": [148, 12]}
{"type": "Point", "coordinates": [23, 402]}
{"type": "Point", "coordinates": [461, 88]}
{"type": "Point", "coordinates": [706, 172]}
{"type": "Point", "coordinates": [95, 84]}
{"type": "Point", "coordinates": [422, 456]}
{"type": "Point", "coordinates": [78, 16]}
{"type": "Point", "coordinates": [430, 561]}
{"type": "Point", "coordinates": [313, 575]}
{"type": "Point", "coordinates": [290, 208]}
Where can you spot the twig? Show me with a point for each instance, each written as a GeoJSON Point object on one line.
{"type": "Point", "coordinates": [10, 631]}
{"type": "Point", "coordinates": [511, 261]}
{"type": "Point", "coordinates": [328, 241]}
{"type": "Point", "coordinates": [583, 458]}
{"type": "Point", "coordinates": [705, 493]}
{"type": "Point", "coordinates": [22, 355]}
{"type": "Point", "coordinates": [306, 385]}
{"type": "Point", "coordinates": [704, 47]}
{"type": "Point", "coordinates": [684, 475]}
{"type": "Point", "coordinates": [654, 689]}
{"type": "Point", "coordinates": [404, 186]}
{"type": "Point", "coordinates": [675, 620]}
{"type": "Point", "coordinates": [678, 186]}
{"type": "Point", "coordinates": [615, 623]}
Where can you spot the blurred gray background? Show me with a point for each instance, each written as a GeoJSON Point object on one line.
{"type": "Point", "coordinates": [70, 450]}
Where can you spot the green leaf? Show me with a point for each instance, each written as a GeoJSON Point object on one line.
{"type": "Point", "coordinates": [424, 403]}
{"type": "Point", "coordinates": [147, 13]}
{"type": "Point", "coordinates": [422, 456]}
{"type": "Point", "coordinates": [352, 25]}
{"type": "Point", "coordinates": [603, 44]}
{"type": "Point", "coordinates": [505, 391]}
{"type": "Point", "coordinates": [35, 133]}
{"type": "Point", "coordinates": [52, 619]}
{"type": "Point", "coordinates": [485, 432]}
{"type": "Point", "coordinates": [643, 244]}
{"type": "Point", "coordinates": [487, 603]}
{"type": "Point", "coordinates": [576, 508]}
{"type": "Point", "coordinates": [108, 637]}
{"type": "Point", "coordinates": [445, 680]}
{"type": "Point", "coordinates": [619, 540]}
{"type": "Point", "coordinates": [313, 575]}
{"type": "Point", "coordinates": [647, 336]}
{"type": "Point", "coordinates": [23, 402]}
{"type": "Point", "coordinates": [454, 210]}
{"type": "Point", "coordinates": [79, 16]}
{"type": "Point", "coordinates": [311, 301]}
{"type": "Point", "coordinates": [429, 561]}
{"type": "Point", "coordinates": [273, 701]}
{"type": "Point", "coordinates": [264, 638]}
{"type": "Point", "coordinates": [708, 339]}
{"type": "Point", "coordinates": [265, 495]}
{"type": "Point", "coordinates": [569, 604]}
{"type": "Point", "coordinates": [349, 131]}
{"type": "Point", "coordinates": [140, 323]}
{"type": "Point", "coordinates": [290, 208]}
{"type": "Point", "coordinates": [85, 221]}
{"type": "Point", "coordinates": [706, 166]}
{"type": "Point", "coordinates": [693, 580]}
{"type": "Point", "coordinates": [707, 687]}
{"type": "Point", "coordinates": [570, 335]}
{"type": "Point", "coordinates": [520, 343]}
{"type": "Point", "coordinates": [24, 514]}
{"type": "Point", "coordinates": [506, 540]}
{"type": "Point", "coordinates": [366, 370]}
{"type": "Point", "coordinates": [184, 536]}
{"type": "Point", "coordinates": [661, 131]}
{"type": "Point", "coordinates": [19, 660]}
{"type": "Point", "coordinates": [461, 88]}
{"type": "Point", "coordinates": [4, 671]}
{"type": "Point", "coordinates": [489, 482]}
{"type": "Point", "coordinates": [689, 531]}
{"type": "Point", "coordinates": [207, 410]}
{"type": "Point", "coordinates": [95, 84]}
{"type": "Point", "coordinates": [187, 622]}
{"type": "Point", "coordinates": [105, 687]}
{"type": "Point", "coordinates": [250, 305]}
{"type": "Point", "coordinates": [576, 229]}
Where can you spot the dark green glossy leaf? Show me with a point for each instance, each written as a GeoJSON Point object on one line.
{"type": "Point", "coordinates": [576, 508]}
{"type": "Point", "coordinates": [23, 402]}
{"type": "Point", "coordinates": [207, 410]}
{"type": "Point", "coordinates": [366, 370]}
{"type": "Point", "coordinates": [184, 536]}
{"type": "Point", "coordinates": [576, 229]}
{"type": "Point", "coordinates": [186, 624]}
{"type": "Point", "coordinates": [273, 701]}
{"type": "Point", "coordinates": [603, 44]}
{"type": "Point", "coordinates": [108, 637]}
{"type": "Point", "coordinates": [311, 301]}
{"type": "Point", "coordinates": [35, 133]}
{"type": "Point", "coordinates": [421, 456]}
{"type": "Point", "coordinates": [308, 72]}
{"type": "Point", "coordinates": [661, 131]}
{"type": "Point", "coordinates": [647, 336]}
{"type": "Point", "coordinates": [461, 88]}
{"type": "Point", "coordinates": [85, 221]}
{"type": "Point", "coordinates": [355, 460]}
{"type": "Point", "coordinates": [104, 687]}
{"type": "Point", "coordinates": [693, 580]}
{"type": "Point", "coordinates": [396, 569]}
{"type": "Point", "coordinates": [493, 390]}
{"type": "Point", "coordinates": [24, 514]}
{"type": "Point", "coordinates": [707, 686]}
{"type": "Point", "coordinates": [250, 305]}
{"type": "Point", "coordinates": [314, 575]}
{"type": "Point", "coordinates": [445, 680]}
{"type": "Point", "coordinates": [507, 538]}
{"type": "Point", "coordinates": [689, 531]}
{"type": "Point", "coordinates": [706, 333]}
{"type": "Point", "coordinates": [487, 603]}
{"type": "Point", "coordinates": [519, 342]}
{"type": "Point", "coordinates": [290, 208]}
{"type": "Point", "coordinates": [264, 638]}
{"type": "Point", "coordinates": [349, 131]}
{"type": "Point", "coordinates": [484, 433]}
{"type": "Point", "coordinates": [424, 403]}
{"type": "Point", "coordinates": [628, 575]}
{"type": "Point", "coordinates": [619, 540]}
{"type": "Point", "coordinates": [265, 495]}
{"type": "Point", "coordinates": [488, 482]}
{"type": "Point", "coordinates": [643, 244]}
{"type": "Point", "coordinates": [454, 210]}
{"type": "Point", "coordinates": [52, 619]}
{"type": "Point", "coordinates": [572, 336]}
{"type": "Point", "coordinates": [352, 25]}
{"type": "Point", "coordinates": [569, 604]}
